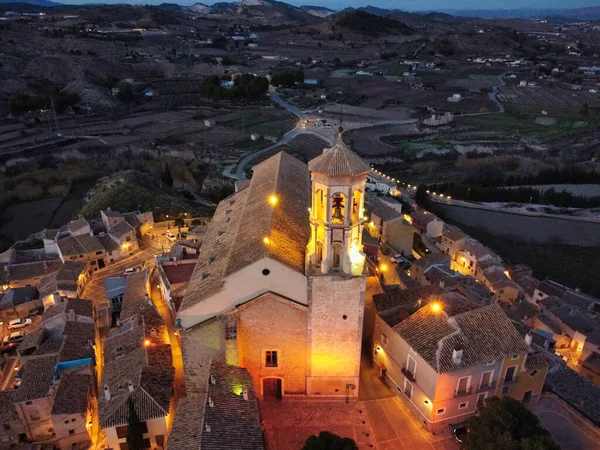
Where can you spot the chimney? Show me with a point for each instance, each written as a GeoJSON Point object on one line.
{"type": "Point", "coordinates": [457, 356]}
{"type": "Point", "coordinates": [130, 386]}
{"type": "Point", "coordinates": [213, 380]}
{"type": "Point", "coordinates": [71, 314]}
{"type": "Point", "coordinates": [528, 338]}
{"type": "Point", "coordinates": [211, 403]}
{"type": "Point", "coordinates": [577, 289]}
{"type": "Point", "coordinates": [442, 284]}
{"type": "Point", "coordinates": [207, 428]}
{"type": "Point", "coordinates": [245, 393]}
{"type": "Point", "coordinates": [106, 392]}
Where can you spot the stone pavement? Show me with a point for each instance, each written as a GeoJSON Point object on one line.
{"type": "Point", "coordinates": [569, 429]}
{"type": "Point", "coordinates": [288, 423]}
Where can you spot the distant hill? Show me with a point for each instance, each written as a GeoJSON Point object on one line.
{"type": "Point", "coordinates": [265, 11]}
{"type": "Point", "coordinates": [31, 2]}
{"type": "Point", "coordinates": [363, 22]}
{"type": "Point", "coordinates": [591, 13]}
{"type": "Point", "coordinates": [317, 11]}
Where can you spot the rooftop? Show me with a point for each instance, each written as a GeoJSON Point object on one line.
{"type": "Point", "coordinates": [483, 334]}
{"type": "Point", "coordinates": [82, 244]}
{"type": "Point", "coordinates": [17, 296]}
{"type": "Point", "coordinates": [148, 368]}
{"type": "Point", "coordinates": [180, 273]}
{"type": "Point", "coordinates": [186, 432]}
{"type": "Point", "coordinates": [65, 279]}
{"type": "Point", "coordinates": [576, 390]}
{"type": "Point", "coordinates": [235, 236]}
{"type": "Point", "coordinates": [234, 422]}
{"type": "Point", "coordinates": [38, 374]}
{"type": "Point", "coordinates": [114, 286]}
{"type": "Point", "coordinates": [337, 161]}
{"type": "Point", "coordinates": [550, 287]}
{"type": "Point", "coordinates": [24, 271]}
{"type": "Point", "coordinates": [134, 295]}
{"type": "Point", "coordinates": [77, 224]}
{"type": "Point", "coordinates": [72, 394]}
{"type": "Point", "coordinates": [8, 412]}
{"type": "Point", "coordinates": [120, 229]}
{"type": "Point", "coordinates": [79, 306]}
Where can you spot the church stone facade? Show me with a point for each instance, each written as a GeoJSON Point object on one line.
{"type": "Point", "coordinates": [280, 282]}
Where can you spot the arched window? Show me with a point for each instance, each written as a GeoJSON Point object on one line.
{"type": "Point", "coordinates": [356, 199]}
{"type": "Point", "coordinates": [338, 207]}
{"type": "Point", "coordinates": [319, 205]}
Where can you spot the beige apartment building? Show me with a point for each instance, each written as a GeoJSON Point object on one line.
{"type": "Point", "coordinates": [450, 355]}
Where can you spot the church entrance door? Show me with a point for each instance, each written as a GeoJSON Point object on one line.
{"type": "Point", "coordinates": [272, 388]}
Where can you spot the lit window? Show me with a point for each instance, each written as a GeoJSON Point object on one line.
{"type": "Point", "coordinates": [271, 358]}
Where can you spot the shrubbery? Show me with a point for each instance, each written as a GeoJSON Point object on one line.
{"type": "Point", "coordinates": [246, 86]}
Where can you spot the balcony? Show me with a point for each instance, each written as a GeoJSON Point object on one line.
{"type": "Point", "coordinates": [463, 392]}
{"type": "Point", "coordinates": [487, 387]}
{"type": "Point", "coordinates": [511, 381]}
{"type": "Point", "coordinates": [408, 374]}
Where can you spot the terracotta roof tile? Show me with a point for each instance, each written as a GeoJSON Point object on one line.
{"type": "Point", "coordinates": [338, 160]}
{"type": "Point", "coordinates": [72, 394]}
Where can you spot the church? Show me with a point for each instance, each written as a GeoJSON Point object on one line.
{"type": "Point", "coordinates": [280, 282]}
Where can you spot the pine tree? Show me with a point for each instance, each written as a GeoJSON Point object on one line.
{"type": "Point", "coordinates": [166, 176]}
{"type": "Point", "coordinates": [135, 433]}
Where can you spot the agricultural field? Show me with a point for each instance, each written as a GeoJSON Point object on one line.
{"type": "Point", "coordinates": [304, 147]}
{"type": "Point", "coordinates": [547, 97]}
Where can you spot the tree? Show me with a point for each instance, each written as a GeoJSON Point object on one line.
{"type": "Point", "coordinates": [196, 222]}
{"type": "Point", "coordinates": [329, 441]}
{"type": "Point", "coordinates": [166, 176]}
{"type": "Point", "coordinates": [506, 424]}
{"type": "Point", "coordinates": [421, 196]}
{"type": "Point", "coordinates": [179, 222]}
{"type": "Point", "coordinates": [135, 433]}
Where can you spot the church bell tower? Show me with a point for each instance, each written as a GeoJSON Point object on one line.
{"type": "Point", "coordinates": [338, 179]}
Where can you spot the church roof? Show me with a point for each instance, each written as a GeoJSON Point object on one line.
{"type": "Point", "coordinates": [235, 236]}
{"type": "Point", "coordinates": [337, 161]}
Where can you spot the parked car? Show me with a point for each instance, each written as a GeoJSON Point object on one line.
{"type": "Point", "coordinates": [131, 270]}
{"type": "Point", "coordinates": [17, 384]}
{"type": "Point", "coordinates": [17, 336]}
{"type": "Point", "coordinates": [19, 323]}
{"type": "Point", "coordinates": [171, 236]}
{"type": "Point", "coordinates": [9, 348]}
{"type": "Point", "coordinates": [460, 433]}
{"type": "Point", "coordinates": [183, 234]}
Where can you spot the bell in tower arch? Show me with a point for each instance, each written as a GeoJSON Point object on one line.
{"type": "Point", "coordinates": [338, 206]}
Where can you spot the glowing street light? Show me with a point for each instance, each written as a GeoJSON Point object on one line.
{"type": "Point", "coordinates": [266, 240]}
{"type": "Point", "coordinates": [436, 307]}
{"type": "Point", "coordinates": [273, 200]}
{"type": "Point", "coordinates": [383, 267]}
{"type": "Point", "coordinates": [147, 342]}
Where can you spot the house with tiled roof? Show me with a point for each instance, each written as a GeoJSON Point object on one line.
{"type": "Point", "coordinates": [12, 431]}
{"type": "Point", "coordinates": [174, 276]}
{"type": "Point", "coordinates": [452, 241]}
{"type": "Point", "coordinates": [449, 355]}
{"type": "Point", "coordinates": [84, 247]}
{"type": "Point", "coordinates": [21, 274]}
{"type": "Point", "coordinates": [388, 225]}
{"type": "Point", "coordinates": [138, 366]}
{"type": "Point", "coordinates": [20, 302]}
{"type": "Point", "coordinates": [69, 281]}
{"type": "Point", "coordinates": [66, 310]}
{"type": "Point", "coordinates": [123, 234]}
{"type": "Point", "coordinates": [421, 266]}
{"type": "Point", "coordinates": [72, 410]}
{"type": "Point", "coordinates": [225, 416]}
{"type": "Point", "coordinates": [34, 398]}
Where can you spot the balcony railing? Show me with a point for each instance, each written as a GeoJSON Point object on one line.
{"type": "Point", "coordinates": [463, 392]}
{"type": "Point", "coordinates": [408, 374]}
{"type": "Point", "coordinates": [487, 387]}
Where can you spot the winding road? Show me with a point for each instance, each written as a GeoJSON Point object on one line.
{"type": "Point", "coordinates": [328, 134]}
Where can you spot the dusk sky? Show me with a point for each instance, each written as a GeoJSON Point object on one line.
{"type": "Point", "coordinates": [408, 5]}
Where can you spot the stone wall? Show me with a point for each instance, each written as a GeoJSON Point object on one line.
{"type": "Point", "coordinates": [273, 323]}
{"type": "Point", "coordinates": [336, 310]}
{"type": "Point", "coordinates": [530, 229]}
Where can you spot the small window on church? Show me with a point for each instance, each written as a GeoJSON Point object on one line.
{"type": "Point", "coordinates": [271, 358]}
{"type": "Point", "coordinates": [231, 331]}
{"type": "Point", "coordinates": [266, 272]}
